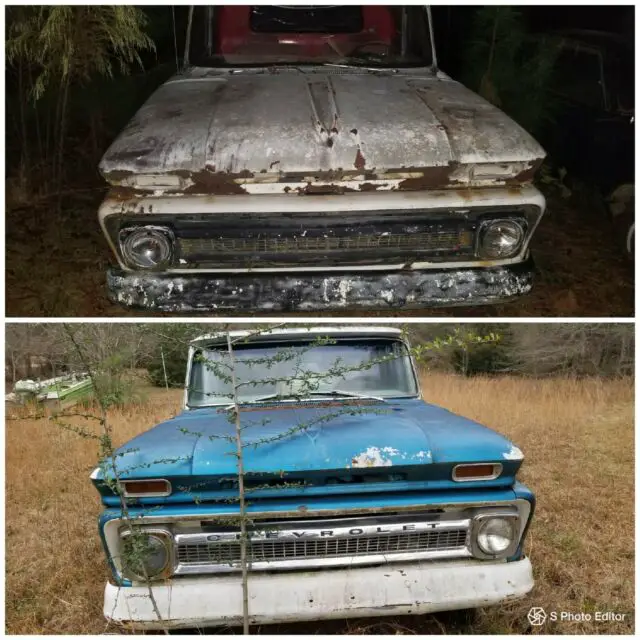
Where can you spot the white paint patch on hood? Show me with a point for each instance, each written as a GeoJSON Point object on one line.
{"type": "Point", "coordinates": [374, 457]}
{"type": "Point", "coordinates": [513, 454]}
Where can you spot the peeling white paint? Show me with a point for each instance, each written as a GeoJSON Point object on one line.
{"type": "Point", "coordinates": [513, 454]}
{"type": "Point", "coordinates": [372, 457]}
{"type": "Point", "coordinates": [435, 123]}
{"type": "Point", "coordinates": [344, 287]}
{"type": "Point", "coordinates": [288, 596]}
{"type": "Point", "coordinates": [423, 455]}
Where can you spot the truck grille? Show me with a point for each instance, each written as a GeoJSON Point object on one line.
{"type": "Point", "coordinates": [330, 238]}
{"type": "Point", "coordinates": [305, 239]}
{"type": "Point", "coordinates": [324, 542]}
{"type": "Point", "coordinates": [430, 241]}
{"type": "Point", "coordinates": [276, 550]}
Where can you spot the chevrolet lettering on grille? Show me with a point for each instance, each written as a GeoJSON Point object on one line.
{"type": "Point", "coordinates": [342, 532]}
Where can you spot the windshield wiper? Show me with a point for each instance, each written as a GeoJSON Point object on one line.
{"type": "Point", "coordinates": [335, 392]}
{"type": "Point", "coordinates": [346, 394]}
{"type": "Point", "coordinates": [278, 396]}
{"type": "Point", "coordinates": [364, 67]}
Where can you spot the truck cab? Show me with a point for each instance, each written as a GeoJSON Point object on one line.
{"type": "Point", "coordinates": [316, 159]}
{"type": "Point", "coordinates": [359, 498]}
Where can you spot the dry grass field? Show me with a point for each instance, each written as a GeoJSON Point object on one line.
{"type": "Point", "coordinates": [578, 439]}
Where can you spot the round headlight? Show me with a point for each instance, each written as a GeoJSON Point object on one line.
{"type": "Point", "coordinates": [145, 555]}
{"type": "Point", "coordinates": [146, 247]}
{"type": "Point", "coordinates": [501, 238]}
{"type": "Point", "coordinates": [495, 535]}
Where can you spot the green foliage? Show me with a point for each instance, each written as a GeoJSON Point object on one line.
{"type": "Point", "coordinates": [509, 68]}
{"type": "Point", "coordinates": [52, 50]}
{"type": "Point", "coordinates": [75, 42]}
{"type": "Point", "coordinates": [116, 390]}
{"type": "Point", "coordinates": [470, 350]}
{"type": "Point", "coordinates": [172, 341]}
{"type": "Point", "coordinates": [176, 365]}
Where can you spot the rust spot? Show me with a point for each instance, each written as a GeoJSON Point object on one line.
{"type": "Point", "coordinates": [465, 194]}
{"type": "Point", "coordinates": [354, 132]}
{"type": "Point", "coordinates": [126, 193]}
{"type": "Point", "coordinates": [360, 161]}
{"type": "Point", "coordinates": [526, 175]}
{"type": "Point", "coordinates": [432, 178]}
{"type": "Point", "coordinates": [117, 175]}
{"type": "Point", "coordinates": [323, 189]}
{"type": "Point", "coordinates": [287, 189]}
{"type": "Point", "coordinates": [209, 182]}
{"type": "Point", "coordinates": [273, 164]}
{"type": "Point", "coordinates": [369, 186]}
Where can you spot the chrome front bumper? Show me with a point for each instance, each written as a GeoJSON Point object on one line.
{"type": "Point", "coordinates": [394, 589]}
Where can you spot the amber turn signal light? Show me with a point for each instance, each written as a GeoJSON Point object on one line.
{"type": "Point", "coordinates": [481, 471]}
{"type": "Point", "coordinates": [146, 488]}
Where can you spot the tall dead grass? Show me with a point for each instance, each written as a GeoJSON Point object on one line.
{"type": "Point", "coordinates": [579, 459]}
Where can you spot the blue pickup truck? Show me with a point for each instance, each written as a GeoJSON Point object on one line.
{"type": "Point", "coordinates": [362, 499]}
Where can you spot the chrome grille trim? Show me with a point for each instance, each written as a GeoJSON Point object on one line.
{"type": "Point", "coordinates": [283, 547]}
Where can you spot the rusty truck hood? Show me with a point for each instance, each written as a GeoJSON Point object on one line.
{"type": "Point", "coordinates": [214, 130]}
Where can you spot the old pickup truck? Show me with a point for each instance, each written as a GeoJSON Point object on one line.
{"type": "Point", "coordinates": [362, 499]}
{"type": "Point", "coordinates": [316, 158]}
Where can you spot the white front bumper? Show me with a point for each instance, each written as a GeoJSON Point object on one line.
{"type": "Point", "coordinates": [396, 589]}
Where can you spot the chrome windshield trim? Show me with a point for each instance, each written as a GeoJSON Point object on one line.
{"type": "Point", "coordinates": [199, 344]}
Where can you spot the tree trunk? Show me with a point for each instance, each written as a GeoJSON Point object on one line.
{"type": "Point", "coordinates": [25, 164]}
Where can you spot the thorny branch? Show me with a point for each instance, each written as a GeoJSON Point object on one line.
{"type": "Point", "coordinates": [107, 455]}
{"type": "Point", "coordinates": [302, 382]}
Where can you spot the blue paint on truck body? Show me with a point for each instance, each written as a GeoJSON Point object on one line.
{"type": "Point", "coordinates": [416, 442]}
{"type": "Point", "coordinates": [327, 456]}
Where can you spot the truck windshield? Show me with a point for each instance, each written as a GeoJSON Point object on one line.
{"type": "Point", "coordinates": [354, 35]}
{"type": "Point", "coordinates": [303, 371]}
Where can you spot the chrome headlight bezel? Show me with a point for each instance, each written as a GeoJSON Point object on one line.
{"type": "Point", "coordinates": [162, 234]}
{"type": "Point", "coordinates": [519, 223]}
{"type": "Point", "coordinates": [165, 537]}
{"type": "Point", "coordinates": [481, 521]}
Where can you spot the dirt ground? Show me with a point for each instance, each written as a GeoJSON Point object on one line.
{"type": "Point", "coordinates": [55, 265]}
{"type": "Point", "coordinates": [578, 440]}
